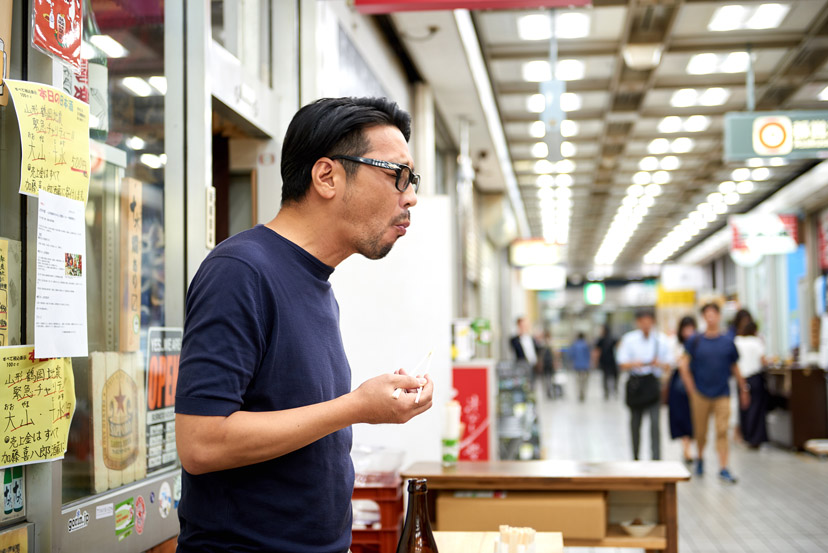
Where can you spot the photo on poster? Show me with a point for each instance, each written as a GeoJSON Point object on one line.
{"type": "Point", "coordinates": [74, 265]}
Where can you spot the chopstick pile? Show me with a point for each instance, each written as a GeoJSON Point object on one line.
{"type": "Point", "coordinates": [514, 540]}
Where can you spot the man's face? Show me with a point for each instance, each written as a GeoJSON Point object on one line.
{"type": "Point", "coordinates": [523, 326]}
{"type": "Point", "coordinates": [376, 212]}
{"type": "Point", "coordinates": [712, 318]}
{"type": "Point", "coordinates": [645, 324]}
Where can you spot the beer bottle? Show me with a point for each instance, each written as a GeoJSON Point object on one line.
{"type": "Point", "coordinates": [416, 535]}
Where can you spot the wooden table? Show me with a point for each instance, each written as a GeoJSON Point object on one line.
{"type": "Point", "coordinates": [483, 542]}
{"type": "Point", "coordinates": [654, 476]}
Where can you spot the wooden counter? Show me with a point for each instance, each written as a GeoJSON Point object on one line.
{"type": "Point", "coordinates": [569, 476]}
{"type": "Point", "coordinates": [483, 542]}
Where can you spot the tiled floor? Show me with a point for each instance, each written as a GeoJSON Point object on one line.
{"type": "Point", "coordinates": [780, 504]}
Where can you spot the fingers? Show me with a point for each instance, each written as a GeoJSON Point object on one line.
{"type": "Point", "coordinates": [406, 382]}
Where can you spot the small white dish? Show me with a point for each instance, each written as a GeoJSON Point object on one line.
{"type": "Point", "coordinates": [638, 530]}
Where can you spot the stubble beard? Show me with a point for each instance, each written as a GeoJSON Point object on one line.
{"type": "Point", "coordinates": [374, 248]}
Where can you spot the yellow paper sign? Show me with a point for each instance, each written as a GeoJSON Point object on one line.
{"type": "Point", "coordinates": [38, 398]}
{"type": "Point", "coordinates": [15, 541]}
{"type": "Point", "coordinates": [4, 292]}
{"type": "Point", "coordinates": [54, 138]}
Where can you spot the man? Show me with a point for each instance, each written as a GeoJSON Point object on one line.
{"type": "Point", "coordinates": [263, 404]}
{"type": "Point", "coordinates": [525, 346]}
{"type": "Point", "coordinates": [706, 369]}
{"type": "Point", "coordinates": [604, 354]}
{"type": "Point", "coordinates": [580, 355]}
{"type": "Point", "coordinates": [645, 353]}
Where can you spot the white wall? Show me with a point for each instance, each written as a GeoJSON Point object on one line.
{"type": "Point", "coordinates": [393, 311]}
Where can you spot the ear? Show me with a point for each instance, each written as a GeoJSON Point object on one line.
{"type": "Point", "coordinates": [326, 174]}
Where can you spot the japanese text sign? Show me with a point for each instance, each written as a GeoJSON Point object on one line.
{"type": "Point", "coordinates": [788, 134]}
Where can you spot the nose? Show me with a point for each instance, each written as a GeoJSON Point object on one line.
{"type": "Point", "coordinates": [408, 198]}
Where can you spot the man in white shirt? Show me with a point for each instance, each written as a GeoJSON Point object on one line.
{"type": "Point", "coordinates": [645, 353]}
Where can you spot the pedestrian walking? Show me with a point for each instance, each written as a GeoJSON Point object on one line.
{"type": "Point", "coordinates": [605, 354]}
{"type": "Point", "coordinates": [711, 359]}
{"type": "Point", "coordinates": [644, 353]}
{"type": "Point", "coordinates": [581, 361]}
{"type": "Point", "coordinates": [678, 402]}
{"type": "Point", "coordinates": [751, 360]}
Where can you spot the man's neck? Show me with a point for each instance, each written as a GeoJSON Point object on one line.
{"type": "Point", "coordinates": [711, 333]}
{"type": "Point", "coordinates": [300, 225]}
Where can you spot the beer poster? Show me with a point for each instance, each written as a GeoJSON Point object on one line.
{"type": "Point", "coordinates": [118, 412]}
{"type": "Point", "coordinates": [164, 350]}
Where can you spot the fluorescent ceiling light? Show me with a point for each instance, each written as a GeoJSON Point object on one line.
{"type": "Point", "coordinates": [546, 194]}
{"type": "Point", "coordinates": [823, 95]}
{"type": "Point", "coordinates": [735, 62]}
{"type": "Point", "coordinates": [682, 145]}
{"type": "Point", "coordinates": [570, 101]}
{"type": "Point", "coordinates": [646, 201]}
{"type": "Point", "coordinates": [137, 85]}
{"type": "Point", "coordinates": [670, 163]}
{"type": "Point", "coordinates": [715, 198]}
{"type": "Point", "coordinates": [564, 179]}
{"type": "Point", "coordinates": [569, 70]}
{"type": "Point", "coordinates": [159, 83]}
{"type": "Point", "coordinates": [658, 146]}
{"type": "Point", "coordinates": [670, 124]}
{"type": "Point", "coordinates": [629, 201]}
{"type": "Point", "coordinates": [745, 187]}
{"type": "Point", "coordinates": [151, 160]}
{"type": "Point", "coordinates": [777, 161]}
{"type": "Point", "coordinates": [738, 17]}
{"type": "Point", "coordinates": [569, 128]}
{"type": "Point", "coordinates": [653, 190]}
{"type": "Point", "coordinates": [545, 180]}
{"type": "Point", "coordinates": [572, 24]}
{"type": "Point", "coordinates": [135, 143]}
{"type": "Point", "coordinates": [543, 166]}
{"type": "Point", "coordinates": [540, 149]}
{"type": "Point", "coordinates": [563, 193]}
{"type": "Point", "coordinates": [768, 16]}
{"type": "Point", "coordinates": [727, 18]}
{"type": "Point", "coordinates": [727, 187]}
{"type": "Point", "coordinates": [642, 178]}
{"type": "Point", "coordinates": [642, 57]}
{"type": "Point", "coordinates": [536, 103]}
{"type": "Point", "coordinates": [537, 71]}
{"type": "Point", "coordinates": [742, 173]}
{"type": "Point", "coordinates": [760, 173]}
{"type": "Point", "coordinates": [755, 162]}
{"type": "Point", "coordinates": [732, 198]}
{"type": "Point", "coordinates": [696, 123]}
{"type": "Point", "coordinates": [714, 96]}
{"type": "Point", "coordinates": [702, 64]}
{"type": "Point", "coordinates": [684, 98]}
{"type": "Point", "coordinates": [661, 177]}
{"type": "Point", "coordinates": [720, 209]}
{"type": "Point", "coordinates": [535, 26]}
{"type": "Point", "coordinates": [111, 47]}
{"type": "Point", "coordinates": [635, 190]}
{"type": "Point", "coordinates": [648, 163]}
{"type": "Point", "coordinates": [704, 207]}
{"type": "Point", "coordinates": [568, 149]}
{"type": "Point", "coordinates": [537, 129]}
{"type": "Point", "coordinates": [565, 166]}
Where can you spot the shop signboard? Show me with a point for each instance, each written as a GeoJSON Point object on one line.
{"type": "Point", "coordinates": [543, 277]}
{"type": "Point", "coordinates": [164, 351]}
{"type": "Point", "coordinates": [753, 236]}
{"type": "Point", "coordinates": [392, 6]}
{"type": "Point", "coordinates": [786, 134]}
{"type": "Point", "coordinates": [534, 251]}
{"type": "Point", "coordinates": [822, 239]}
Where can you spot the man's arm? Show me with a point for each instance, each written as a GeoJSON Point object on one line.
{"type": "Point", "coordinates": [207, 444]}
{"type": "Point", "coordinates": [624, 357]}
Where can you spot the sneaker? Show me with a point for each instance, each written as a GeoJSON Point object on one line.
{"type": "Point", "coordinates": [688, 461]}
{"type": "Point", "coordinates": [699, 467]}
{"type": "Point", "coordinates": [725, 476]}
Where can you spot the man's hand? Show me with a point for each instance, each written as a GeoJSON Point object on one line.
{"type": "Point", "coordinates": [744, 397]}
{"type": "Point", "coordinates": [377, 406]}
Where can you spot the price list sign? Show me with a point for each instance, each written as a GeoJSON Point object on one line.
{"type": "Point", "coordinates": [38, 398]}
{"type": "Point", "coordinates": [54, 137]}
{"type": "Point", "coordinates": [164, 345]}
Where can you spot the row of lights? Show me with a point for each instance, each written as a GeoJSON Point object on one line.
{"type": "Point", "coordinates": [556, 211]}
{"type": "Point", "coordinates": [541, 150]}
{"type": "Point", "coordinates": [634, 207]}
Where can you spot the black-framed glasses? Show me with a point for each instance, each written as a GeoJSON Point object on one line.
{"type": "Point", "coordinates": [405, 175]}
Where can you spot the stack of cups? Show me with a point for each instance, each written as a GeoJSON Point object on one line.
{"type": "Point", "coordinates": [451, 434]}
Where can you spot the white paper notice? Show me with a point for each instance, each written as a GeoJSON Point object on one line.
{"type": "Point", "coordinates": [60, 303]}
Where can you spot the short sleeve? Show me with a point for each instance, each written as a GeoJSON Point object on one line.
{"type": "Point", "coordinates": [223, 338]}
{"type": "Point", "coordinates": [624, 354]}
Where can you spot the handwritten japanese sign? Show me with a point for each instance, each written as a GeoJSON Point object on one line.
{"type": "Point", "coordinates": [38, 398]}
{"type": "Point", "coordinates": [4, 292]}
{"type": "Point", "coordinates": [472, 385]}
{"type": "Point", "coordinates": [15, 540]}
{"type": "Point", "coordinates": [54, 137]}
{"type": "Point", "coordinates": [131, 234]}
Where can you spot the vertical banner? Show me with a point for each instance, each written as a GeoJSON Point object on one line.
{"type": "Point", "coordinates": [131, 224]}
{"type": "Point", "coordinates": [163, 352]}
{"type": "Point", "coordinates": [472, 385]}
{"type": "Point", "coordinates": [4, 292]}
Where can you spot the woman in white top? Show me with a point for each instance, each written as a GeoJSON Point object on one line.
{"type": "Point", "coordinates": [751, 361]}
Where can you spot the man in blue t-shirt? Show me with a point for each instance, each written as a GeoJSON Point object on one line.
{"type": "Point", "coordinates": [706, 369]}
{"type": "Point", "coordinates": [264, 405]}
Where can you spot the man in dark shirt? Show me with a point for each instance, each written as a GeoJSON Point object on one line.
{"type": "Point", "coordinates": [264, 405]}
{"type": "Point", "coordinates": [706, 369]}
{"type": "Point", "coordinates": [605, 353]}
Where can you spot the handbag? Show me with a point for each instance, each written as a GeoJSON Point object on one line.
{"type": "Point", "coordinates": [643, 390]}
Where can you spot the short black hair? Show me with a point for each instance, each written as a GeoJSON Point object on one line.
{"type": "Point", "coordinates": [711, 305]}
{"type": "Point", "coordinates": [685, 322]}
{"type": "Point", "coordinates": [644, 312]}
{"type": "Point", "coordinates": [328, 127]}
{"type": "Point", "coordinates": [749, 329]}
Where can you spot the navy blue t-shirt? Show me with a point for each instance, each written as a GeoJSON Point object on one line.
{"type": "Point", "coordinates": [262, 334]}
{"type": "Point", "coordinates": [711, 360]}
